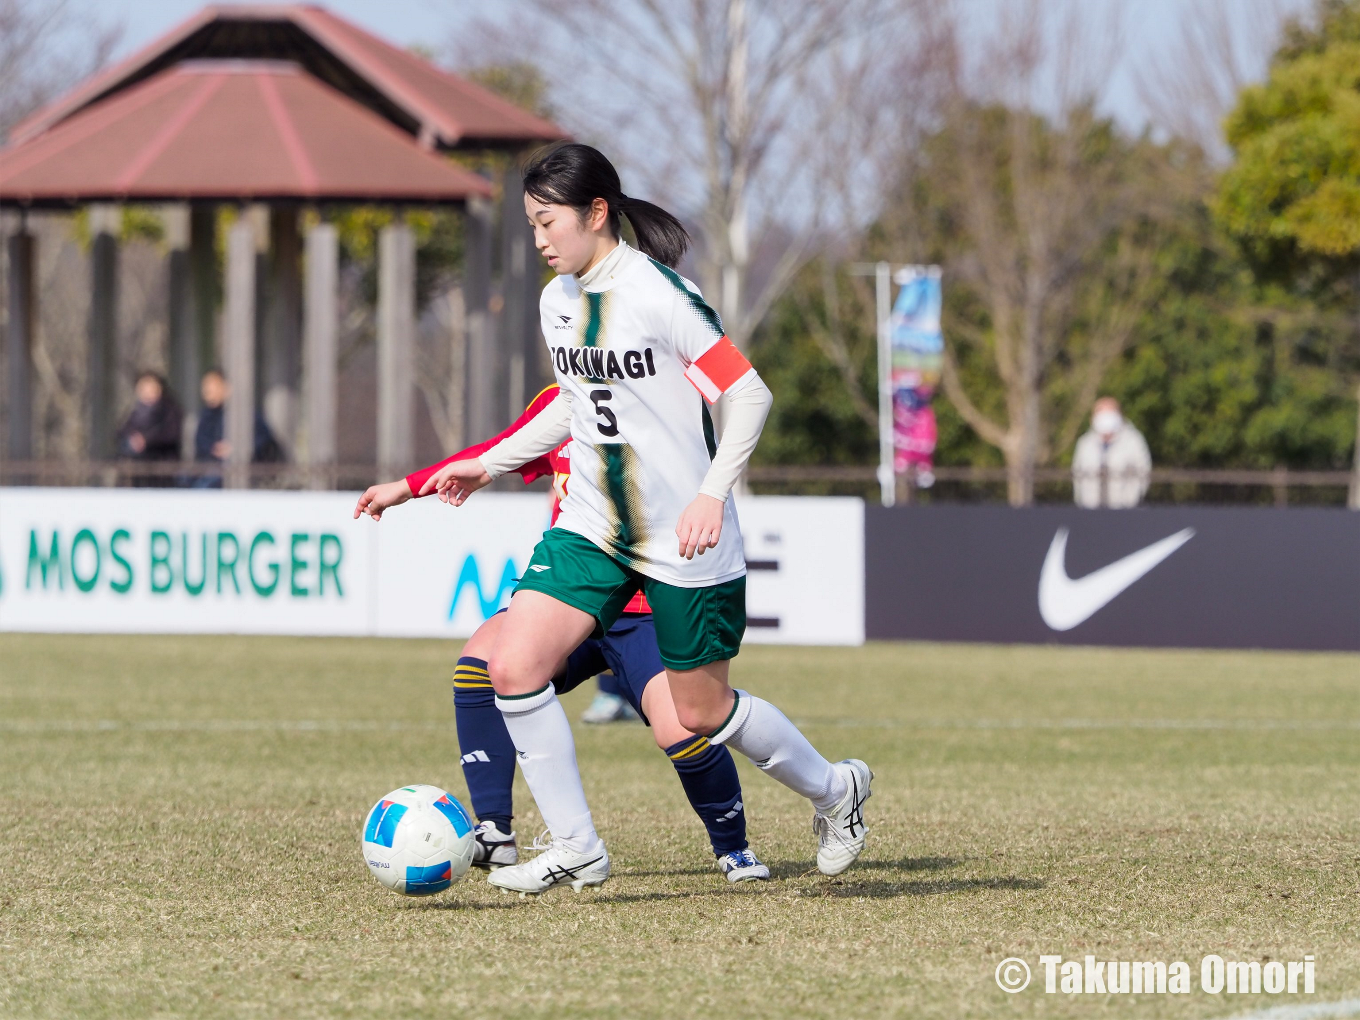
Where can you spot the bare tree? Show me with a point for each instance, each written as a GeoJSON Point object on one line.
{"type": "Point", "coordinates": [46, 46]}
{"type": "Point", "coordinates": [754, 117]}
{"type": "Point", "coordinates": [1220, 47]}
{"type": "Point", "coordinates": [60, 344]}
{"type": "Point", "coordinates": [1053, 219]}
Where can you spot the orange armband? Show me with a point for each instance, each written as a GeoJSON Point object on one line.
{"type": "Point", "coordinates": [718, 370]}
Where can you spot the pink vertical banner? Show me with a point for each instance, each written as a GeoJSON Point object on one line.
{"type": "Point", "coordinates": [917, 345]}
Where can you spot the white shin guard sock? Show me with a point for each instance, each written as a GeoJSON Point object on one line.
{"type": "Point", "coordinates": [764, 734]}
{"type": "Point", "coordinates": [547, 755]}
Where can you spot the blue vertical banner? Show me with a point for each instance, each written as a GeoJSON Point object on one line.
{"type": "Point", "coordinates": [917, 346]}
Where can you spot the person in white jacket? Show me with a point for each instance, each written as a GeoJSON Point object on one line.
{"type": "Point", "coordinates": [1111, 466]}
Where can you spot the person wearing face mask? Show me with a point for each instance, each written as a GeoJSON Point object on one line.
{"type": "Point", "coordinates": [1112, 465]}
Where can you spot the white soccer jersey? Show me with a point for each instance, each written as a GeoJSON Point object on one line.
{"type": "Point", "coordinates": [639, 352]}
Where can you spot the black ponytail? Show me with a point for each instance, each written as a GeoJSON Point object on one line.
{"type": "Point", "coordinates": [575, 174]}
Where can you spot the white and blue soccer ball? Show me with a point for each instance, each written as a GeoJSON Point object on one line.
{"type": "Point", "coordinates": [418, 840]}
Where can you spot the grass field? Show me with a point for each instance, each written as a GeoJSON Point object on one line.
{"type": "Point", "coordinates": [181, 821]}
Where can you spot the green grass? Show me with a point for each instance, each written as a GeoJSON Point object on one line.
{"type": "Point", "coordinates": [181, 820]}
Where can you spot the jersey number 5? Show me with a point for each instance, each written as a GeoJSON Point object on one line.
{"type": "Point", "coordinates": [608, 423]}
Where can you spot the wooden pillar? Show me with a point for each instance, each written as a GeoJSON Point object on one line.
{"type": "Point", "coordinates": [102, 365]}
{"type": "Point", "coordinates": [185, 368]}
{"type": "Point", "coordinates": [482, 358]}
{"type": "Point", "coordinates": [204, 288]}
{"type": "Point", "coordinates": [19, 344]}
{"type": "Point", "coordinates": [396, 348]}
{"type": "Point", "coordinates": [239, 351]}
{"type": "Point", "coordinates": [321, 329]}
{"type": "Point", "coordinates": [281, 356]}
{"type": "Point", "coordinates": [515, 248]}
{"type": "Point", "coordinates": [538, 369]}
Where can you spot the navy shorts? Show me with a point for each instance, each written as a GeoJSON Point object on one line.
{"type": "Point", "coordinates": [628, 651]}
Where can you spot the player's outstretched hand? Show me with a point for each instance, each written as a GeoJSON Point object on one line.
{"type": "Point", "coordinates": [377, 498]}
{"type": "Point", "coordinates": [700, 526]}
{"type": "Point", "coordinates": [456, 481]}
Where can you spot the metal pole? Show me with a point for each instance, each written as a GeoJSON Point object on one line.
{"type": "Point", "coordinates": [886, 482]}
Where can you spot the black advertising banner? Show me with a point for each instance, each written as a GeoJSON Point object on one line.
{"type": "Point", "coordinates": [1198, 577]}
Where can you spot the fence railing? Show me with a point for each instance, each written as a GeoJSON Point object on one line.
{"type": "Point", "coordinates": [1280, 486]}
{"type": "Point", "coordinates": [185, 474]}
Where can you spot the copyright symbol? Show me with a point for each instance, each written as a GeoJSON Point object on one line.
{"type": "Point", "coordinates": [1012, 975]}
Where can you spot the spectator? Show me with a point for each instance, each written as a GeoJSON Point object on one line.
{"type": "Point", "coordinates": [210, 442]}
{"type": "Point", "coordinates": [152, 431]}
{"type": "Point", "coordinates": [1112, 465]}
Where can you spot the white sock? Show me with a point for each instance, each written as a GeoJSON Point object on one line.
{"type": "Point", "coordinates": [547, 755]}
{"type": "Point", "coordinates": [764, 734]}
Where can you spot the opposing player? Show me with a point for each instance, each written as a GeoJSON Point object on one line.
{"type": "Point", "coordinates": [707, 772]}
{"type": "Point", "coordinates": [636, 353]}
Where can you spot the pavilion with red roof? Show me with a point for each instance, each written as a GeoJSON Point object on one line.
{"type": "Point", "coordinates": [275, 108]}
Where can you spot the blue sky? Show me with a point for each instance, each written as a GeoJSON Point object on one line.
{"type": "Point", "coordinates": [1149, 26]}
{"type": "Point", "coordinates": [406, 22]}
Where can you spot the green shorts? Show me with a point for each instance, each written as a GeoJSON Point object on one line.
{"type": "Point", "coordinates": [694, 626]}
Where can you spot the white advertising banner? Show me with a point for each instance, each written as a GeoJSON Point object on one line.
{"type": "Point", "coordinates": [182, 561]}
{"type": "Point", "coordinates": [804, 569]}
{"type": "Point", "coordinates": [174, 561]}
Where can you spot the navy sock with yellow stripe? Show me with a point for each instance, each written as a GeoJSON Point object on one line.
{"type": "Point", "coordinates": [484, 742]}
{"type": "Point", "coordinates": [709, 776]}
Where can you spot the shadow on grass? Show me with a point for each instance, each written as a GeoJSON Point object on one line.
{"type": "Point", "coordinates": [839, 889]}
{"type": "Point", "coordinates": [508, 901]}
{"type": "Point", "coordinates": [880, 890]}
{"type": "Point", "coordinates": [850, 887]}
{"type": "Point", "coordinates": [668, 873]}
{"type": "Point", "coordinates": [806, 868]}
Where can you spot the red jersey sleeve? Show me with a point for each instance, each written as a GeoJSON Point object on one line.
{"type": "Point", "coordinates": [536, 468]}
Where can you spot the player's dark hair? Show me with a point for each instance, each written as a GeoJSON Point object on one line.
{"type": "Point", "coordinates": [575, 174]}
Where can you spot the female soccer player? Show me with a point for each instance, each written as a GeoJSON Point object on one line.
{"type": "Point", "coordinates": [631, 343]}
{"type": "Point", "coordinates": [706, 771]}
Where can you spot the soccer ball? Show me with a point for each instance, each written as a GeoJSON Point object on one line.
{"type": "Point", "coordinates": [418, 840]}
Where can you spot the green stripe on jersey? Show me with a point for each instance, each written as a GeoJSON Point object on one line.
{"type": "Point", "coordinates": [709, 439]}
{"type": "Point", "coordinates": [700, 306]}
{"type": "Point", "coordinates": [627, 521]}
{"type": "Point", "coordinates": [594, 320]}
{"type": "Point", "coordinates": [592, 330]}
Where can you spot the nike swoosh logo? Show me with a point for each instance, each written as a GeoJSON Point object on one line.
{"type": "Point", "coordinates": [1064, 602]}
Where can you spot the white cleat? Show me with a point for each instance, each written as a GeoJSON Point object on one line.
{"type": "Point", "coordinates": [841, 832]}
{"type": "Point", "coordinates": [493, 849]}
{"type": "Point", "coordinates": [742, 866]}
{"type": "Point", "coordinates": [609, 708]}
{"type": "Point", "coordinates": [556, 865]}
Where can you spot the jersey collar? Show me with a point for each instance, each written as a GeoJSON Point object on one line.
{"type": "Point", "coordinates": [605, 273]}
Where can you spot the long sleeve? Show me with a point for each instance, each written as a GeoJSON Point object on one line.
{"type": "Point", "coordinates": [529, 471]}
{"type": "Point", "coordinates": [1086, 472]}
{"type": "Point", "coordinates": [537, 438]}
{"type": "Point", "coordinates": [163, 434]}
{"type": "Point", "coordinates": [743, 420]}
